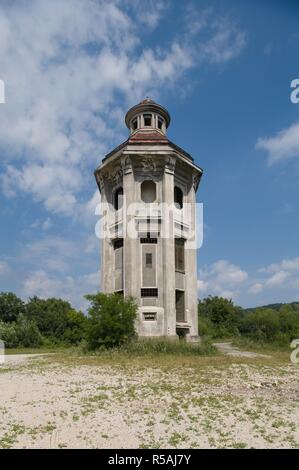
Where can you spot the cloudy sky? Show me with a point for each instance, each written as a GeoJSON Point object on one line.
{"type": "Point", "coordinates": [223, 69]}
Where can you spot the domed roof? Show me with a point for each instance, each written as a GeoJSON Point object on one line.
{"type": "Point", "coordinates": [147, 105]}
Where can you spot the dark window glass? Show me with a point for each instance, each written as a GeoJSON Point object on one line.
{"type": "Point", "coordinates": [147, 119]}
{"type": "Point", "coordinates": [160, 123]}
{"type": "Point", "coordinates": [178, 197]}
{"type": "Point", "coordinates": [118, 199]}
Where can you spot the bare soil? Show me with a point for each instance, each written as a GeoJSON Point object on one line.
{"type": "Point", "coordinates": [68, 401]}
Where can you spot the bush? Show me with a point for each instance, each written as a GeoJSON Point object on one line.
{"type": "Point", "coordinates": [8, 334]}
{"type": "Point", "coordinates": [57, 320]}
{"type": "Point", "coordinates": [76, 327]}
{"type": "Point", "coordinates": [268, 325]}
{"type": "Point", "coordinates": [11, 307]}
{"type": "Point", "coordinates": [111, 320]}
{"type": "Point", "coordinates": [218, 317]}
{"type": "Point", "coordinates": [21, 333]}
{"type": "Point", "coordinates": [28, 333]}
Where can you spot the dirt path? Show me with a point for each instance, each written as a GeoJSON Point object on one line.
{"type": "Point", "coordinates": [11, 359]}
{"type": "Point", "coordinates": [227, 348]}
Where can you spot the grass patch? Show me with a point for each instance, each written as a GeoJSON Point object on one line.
{"type": "Point", "coordinates": [164, 346]}
{"type": "Point", "coordinates": [258, 346]}
{"type": "Point", "coordinates": [41, 350]}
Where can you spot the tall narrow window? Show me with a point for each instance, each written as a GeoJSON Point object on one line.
{"type": "Point", "coordinates": [180, 255]}
{"type": "Point", "coordinates": [180, 305]}
{"type": "Point", "coordinates": [118, 264]}
{"type": "Point", "coordinates": [147, 119]}
{"type": "Point", "coordinates": [178, 197]}
{"type": "Point", "coordinates": [118, 199]}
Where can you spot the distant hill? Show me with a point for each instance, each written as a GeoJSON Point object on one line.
{"type": "Point", "coordinates": [274, 306]}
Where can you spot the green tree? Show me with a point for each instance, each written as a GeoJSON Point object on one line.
{"type": "Point", "coordinates": [76, 327]}
{"type": "Point", "coordinates": [111, 320]}
{"type": "Point", "coordinates": [8, 334]}
{"type": "Point", "coordinates": [28, 333]}
{"type": "Point", "coordinates": [10, 307]}
{"type": "Point", "coordinates": [56, 319]}
{"type": "Point", "coordinates": [218, 316]}
{"type": "Point", "coordinates": [262, 324]}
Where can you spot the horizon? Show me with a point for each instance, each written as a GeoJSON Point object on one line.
{"type": "Point", "coordinates": [224, 78]}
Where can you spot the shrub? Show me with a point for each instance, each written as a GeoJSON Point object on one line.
{"type": "Point", "coordinates": [218, 317]}
{"type": "Point", "coordinates": [111, 320]}
{"type": "Point", "coordinates": [28, 333]}
{"type": "Point", "coordinates": [10, 307]}
{"type": "Point", "coordinates": [76, 327]}
{"type": "Point", "coordinates": [57, 320]}
{"type": "Point", "coordinates": [8, 334]}
{"type": "Point", "coordinates": [268, 325]}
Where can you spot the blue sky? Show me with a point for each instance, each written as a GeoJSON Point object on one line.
{"type": "Point", "coordinates": [223, 69]}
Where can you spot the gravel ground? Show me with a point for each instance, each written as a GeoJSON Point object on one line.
{"type": "Point", "coordinates": [51, 402]}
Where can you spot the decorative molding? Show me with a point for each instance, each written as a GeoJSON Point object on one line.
{"type": "Point", "coordinates": [169, 165]}
{"type": "Point", "coordinates": [100, 180]}
{"type": "Point", "coordinates": [195, 180]}
{"type": "Point", "coordinates": [115, 174]}
{"type": "Point", "coordinates": [127, 165]}
{"type": "Point", "coordinates": [148, 164]}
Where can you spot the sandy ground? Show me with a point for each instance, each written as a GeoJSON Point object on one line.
{"type": "Point", "coordinates": [13, 359]}
{"type": "Point", "coordinates": [51, 403]}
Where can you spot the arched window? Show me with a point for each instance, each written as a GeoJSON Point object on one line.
{"type": "Point", "coordinates": [148, 191]}
{"type": "Point", "coordinates": [178, 197]}
{"type": "Point", "coordinates": [118, 199]}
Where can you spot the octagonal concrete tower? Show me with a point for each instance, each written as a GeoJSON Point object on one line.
{"type": "Point", "coordinates": [148, 185]}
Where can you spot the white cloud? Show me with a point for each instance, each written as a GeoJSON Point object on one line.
{"type": "Point", "coordinates": [70, 288]}
{"type": "Point", "coordinates": [283, 275]}
{"type": "Point", "coordinates": [221, 278]}
{"type": "Point", "coordinates": [66, 79]}
{"type": "Point", "coordinates": [149, 15]}
{"type": "Point", "coordinates": [285, 264]}
{"type": "Point", "coordinates": [277, 279]}
{"type": "Point", "coordinates": [284, 145]}
{"type": "Point", "coordinates": [225, 279]}
{"type": "Point", "coordinates": [45, 224]}
{"type": "Point", "coordinates": [53, 253]}
{"type": "Point", "coordinates": [256, 288]}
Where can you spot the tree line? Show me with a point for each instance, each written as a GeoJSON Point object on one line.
{"type": "Point", "coordinates": [110, 321]}
{"type": "Point", "coordinates": [54, 322]}
{"type": "Point", "coordinates": [276, 324]}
